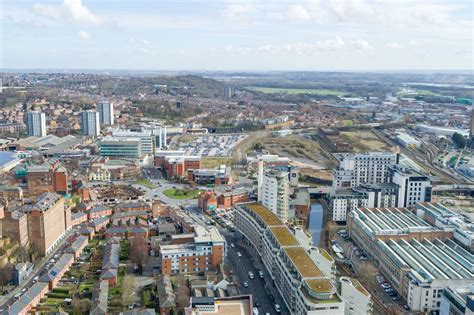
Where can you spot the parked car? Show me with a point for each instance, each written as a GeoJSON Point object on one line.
{"type": "Point", "coordinates": [251, 275]}
{"type": "Point", "coordinates": [246, 284]}
{"type": "Point", "coordinates": [239, 254]}
{"type": "Point", "coordinates": [277, 308]}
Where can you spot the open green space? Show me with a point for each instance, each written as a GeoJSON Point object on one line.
{"type": "Point", "coordinates": [271, 90]}
{"type": "Point", "coordinates": [145, 182]}
{"type": "Point", "coordinates": [181, 194]}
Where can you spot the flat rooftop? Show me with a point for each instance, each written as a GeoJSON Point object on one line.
{"type": "Point", "coordinates": [320, 285]}
{"type": "Point", "coordinates": [303, 262]}
{"type": "Point", "coordinates": [265, 214]}
{"type": "Point", "coordinates": [284, 236]}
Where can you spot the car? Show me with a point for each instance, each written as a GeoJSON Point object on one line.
{"type": "Point", "coordinates": [255, 311]}
{"type": "Point", "coordinates": [385, 285]}
{"type": "Point", "coordinates": [406, 307]}
{"type": "Point", "coordinates": [251, 275]}
{"type": "Point", "coordinates": [277, 308]}
{"type": "Point", "coordinates": [239, 254]}
{"type": "Point", "coordinates": [260, 274]}
{"type": "Point", "coordinates": [395, 298]}
{"type": "Point", "coordinates": [232, 245]}
{"type": "Point", "coordinates": [246, 284]}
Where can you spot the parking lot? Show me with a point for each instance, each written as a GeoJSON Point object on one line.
{"type": "Point", "coordinates": [211, 145]}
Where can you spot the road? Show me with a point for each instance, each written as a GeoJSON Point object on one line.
{"type": "Point", "coordinates": [8, 299]}
{"type": "Point", "coordinates": [240, 266]}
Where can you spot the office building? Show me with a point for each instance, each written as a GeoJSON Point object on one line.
{"type": "Point", "coordinates": [106, 113]}
{"type": "Point", "coordinates": [342, 201]}
{"type": "Point", "coordinates": [413, 186]}
{"type": "Point", "coordinates": [203, 250]}
{"type": "Point", "coordinates": [177, 164]}
{"type": "Point", "coordinates": [48, 221]}
{"type": "Point", "coordinates": [120, 147]}
{"type": "Point", "coordinates": [90, 123]}
{"type": "Point", "coordinates": [36, 124]}
{"type": "Point", "coordinates": [276, 193]}
{"type": "Point", "coordinates": [49, 176]}
{"type": "Point", "coordinates": [216, 177]}
{"type": "Point", "coordinates": [147, 140]}
{"type": "Point", "coordinates": [302, 284]}
{"type": "Point", "coordinates": [356, 169]}
{"type": "Point", "coordinates": [458, 301]}
{"type": "Point", "coordinates": [417, 259]}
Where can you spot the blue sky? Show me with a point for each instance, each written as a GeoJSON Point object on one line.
{"type": "Point", "coordinates": [237, 35]}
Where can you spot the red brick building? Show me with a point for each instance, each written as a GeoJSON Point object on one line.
{"type": "Point", "coordinates": [50, 176]}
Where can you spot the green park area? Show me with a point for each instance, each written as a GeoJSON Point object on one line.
{"type": "Point", "coordinates": [181, 194]}
{"type": "Point", "coordinates": [271, 90]}
{"type": "Point", "coordinates": [145, 182]}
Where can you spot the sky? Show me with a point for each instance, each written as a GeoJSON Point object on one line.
{"type": "Point", "coordinates": [245, 35]}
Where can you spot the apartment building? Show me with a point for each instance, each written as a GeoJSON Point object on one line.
{"type": "Point", "coordinates": [35, 124]}
{"type": "Point", "coordinates": [90, 123]}
{"type": "Point", "coordinates": [106, 113]}
{"type": "Point", "coordinates": [15, 226]}
{"type": "Point", "coordinates": [49, 176]}
{"type": "Point", "coordinates": [355, 296]}
{"type": "Point", "coordinates": [303, 286]}
{"type": "Point", "coordinates": [342, 201]}
{"type": "Point", "coordinates": [414, 187]}
{"type": "Point", "coordinates": [263, 162]}
{"type": "Point", "coordinates": [418, 259]}
{"type": "Point", "coordinates": [203, 251]}
{"type": "Point", "coordinates": [48, 221]}
{"type": "Point", "coordinates": [276, 193]}
{"type": "Point", "coordinates": [356, 169]}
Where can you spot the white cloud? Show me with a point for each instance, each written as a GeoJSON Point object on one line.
{"type": "Point", "coordinates": [361, 44]}
{"type": "Point", "coordinates": [84, 35]}
{"type": "Point", "coordinates": [393, 45]}
{"type": "Point", "coordinates": [69, 9]}
{"type": "Point", "coordinates": [298, 13]}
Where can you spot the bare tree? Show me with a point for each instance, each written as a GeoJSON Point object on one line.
{"type": "Point", "coordinates": [139, 251]}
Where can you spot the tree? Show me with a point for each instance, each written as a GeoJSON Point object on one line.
{"type": "Point", "coordinates": [80, 306]}
{"type": "Point", "coordinates": [139, 251]}
{"type": "Point", "coordinates": [459, 140]}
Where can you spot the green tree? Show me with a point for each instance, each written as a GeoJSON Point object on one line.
{"type": "Point", "coordinates": [459, 140]}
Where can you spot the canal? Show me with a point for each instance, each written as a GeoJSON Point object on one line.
{"type": "Point", "coordinates": [316, 222]}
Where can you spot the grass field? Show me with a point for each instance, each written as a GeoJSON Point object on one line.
{"type": "Point", "coordinates": [364, 140]}
{"type": "Point", "coordinates": [181, 194]}
{"type": "Point", "coordinates": [212, 162]}
{"type": "Point", "coordinates": [145, 182]}
{"type": "Point", "coordinates": [269, 90]}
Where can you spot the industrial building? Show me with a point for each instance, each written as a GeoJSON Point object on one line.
{"type": "Point", "coordinates": [418, 259]}
{"type": "Point", "coordinates": [407, 141]}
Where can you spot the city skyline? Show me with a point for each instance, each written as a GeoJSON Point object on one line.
{"type": "Point", "coordinates": [351, 35]}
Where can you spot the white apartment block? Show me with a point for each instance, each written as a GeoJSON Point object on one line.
{"type": "Point", "coordinates": [343, 201]}
{"type": "Point", "coordinates": [264, 161]}
{"type": "Point", "coordinates": [302, 285]}
{"type": "Point", "coordinates": [357, 298]}
{"type": "Point", "coordinates": [276, 193]}
{"type": "Point", "coordinates": [36, 124]}
{"type": "Point", "coordinates": [414, 187]}
{"type": "Point", "coordinates": [90, 123]}
{"type": "Point", "coordinates": [356, 169]}
{"type": "Point", "coordinates": [106, 113]}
